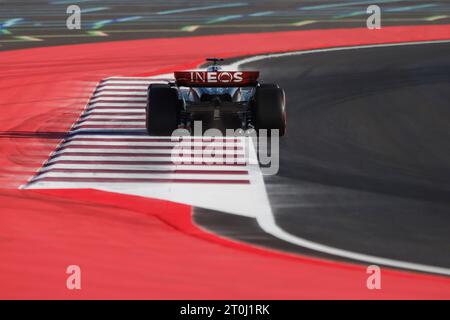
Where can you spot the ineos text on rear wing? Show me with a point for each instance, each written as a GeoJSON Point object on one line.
{"type": "Point", "coordinates": [216, 78]}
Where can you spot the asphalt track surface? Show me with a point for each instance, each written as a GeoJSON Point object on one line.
{"type": "Point", "coordinates": [365, 164]}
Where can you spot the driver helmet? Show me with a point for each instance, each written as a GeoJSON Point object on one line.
{"type": "Point", "coordinates": [213, 68]}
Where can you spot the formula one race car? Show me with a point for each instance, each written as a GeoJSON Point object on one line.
{"type": "Point", "coordinates": [215, 96]}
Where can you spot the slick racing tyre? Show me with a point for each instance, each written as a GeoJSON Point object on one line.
{"type": "Point", "coordinates": [269, 108]}
{"type": "Point", "coordinates": [162, 112]}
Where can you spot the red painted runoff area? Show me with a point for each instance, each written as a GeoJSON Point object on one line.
{"type": "Point", "coordinates": [130, 247]}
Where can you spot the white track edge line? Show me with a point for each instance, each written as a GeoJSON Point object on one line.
{"type": "Point", "coordinates": [268, 223]}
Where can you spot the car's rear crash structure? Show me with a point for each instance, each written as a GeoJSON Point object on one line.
{"type": "Point", "coordinates": [215, 95]}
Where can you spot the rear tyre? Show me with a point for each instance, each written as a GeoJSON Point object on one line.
{"type": "Point", "coordinates": [162, 112]}
{"type": "Point", "coordinates": [269, 108]}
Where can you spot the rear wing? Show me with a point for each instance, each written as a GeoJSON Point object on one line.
{"type": "Point", "coordinates": [216, 78]}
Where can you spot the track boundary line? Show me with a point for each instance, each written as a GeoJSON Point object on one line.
{"type": "Point", "coordinates": [267, 221]}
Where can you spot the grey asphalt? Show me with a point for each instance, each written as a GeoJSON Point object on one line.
{"type": "Point", "coordinates": [365, 165]}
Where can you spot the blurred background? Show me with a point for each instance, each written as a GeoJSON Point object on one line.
{"type": "Point", "coordinates": [25, 24]}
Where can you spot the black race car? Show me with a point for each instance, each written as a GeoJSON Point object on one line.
{"type": "Point", "coordinates": [215, 96]}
